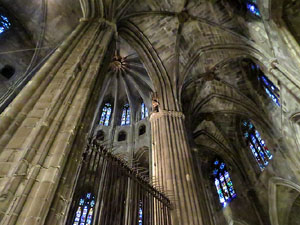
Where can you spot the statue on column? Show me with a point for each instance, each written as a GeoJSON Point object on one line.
{"type": "Point", "coordinates": [155, 103]}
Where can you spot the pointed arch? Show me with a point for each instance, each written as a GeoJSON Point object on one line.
{"type": "Point", "coordinates": [280, 207]}
{"type": "Point", "coordinates": [85, 210]}
{"type": "Point", "coordinates": [125, 120]}
{"type": "Point", "coordinates": [223, 182]}
{"type": "Point", "coordinates": [106, 114]}
{"type": "Point", "coordinates": [144, 111]}
{"type": "Point", "coordinates": [256, 144]}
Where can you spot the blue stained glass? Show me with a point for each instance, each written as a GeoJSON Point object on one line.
{"type": "Point", "coordinates": [90, 216]}
{"type": "Point", "coordinates": [92, 203]}
{"type": "Point", "coordinates": [229, 184]}
{"type": "Point", "coordinates": [105, 115]}
{"type": "Point", "coordinates": [272, 96]}
{"type": "Point", "coordinates": [253, 8]}
{"type": "Point", "coordinates": [222, 166]}
{"type": "Point", "coordinates": [140, 216]}
{"type": "Point", "coordinates": [271, 89]}
{"type": "Point", "coordinates": [81, 202]}
{"type": "Point", "coordinates": [223, 183]}
{"type": "Point", "coordinates": [219, 191]}
{"type": "Point", "coordinates": [144, 111]}
{"type": "Point", "coordinates": [4, 24]}
{"type": "Point", "coordinates": [258, 146]}
{"type": "Point", "coordinates": [84, 213]}
{"type": "Point", "coordinates": [215, 172]}
{"type": "Point", "coordinates": [125, 120]}
{"type": "Point", "coordinates": [128, 117]}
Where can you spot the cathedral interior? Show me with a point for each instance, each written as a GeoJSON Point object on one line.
{"type": "Point", "coordinates": [150, 112]}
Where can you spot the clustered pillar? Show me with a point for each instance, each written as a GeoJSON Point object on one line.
{"type": "Point", "coordinates": [38, 129]}
{"type": "Point", "coordinates": [172, 166]}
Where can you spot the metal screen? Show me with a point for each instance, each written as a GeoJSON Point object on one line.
{"type": "Point", "coordinates": [109, 192]}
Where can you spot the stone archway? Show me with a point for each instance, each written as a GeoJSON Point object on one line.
{"type": "Point", "coordinates": [284, 201]}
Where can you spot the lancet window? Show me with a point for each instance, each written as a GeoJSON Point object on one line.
{"type": "Point", "coordinates": [4, 24]}
{"type": "Point", "coordinates": [256, 144]}
{"type": "Point", "coordinates": [271, 90]}
{"type": "Point", "coordinates": [125, 120]}
{"type": "Point", "coordinates": [141, 213]}
{"type": "Point", "coordinates": [223, 183]}
{"type": "Point", "coordinates": [144, 111]}
{"type": "Point", "coordinates": [85, 210]}
{"type": "Point", "coordinates": [106, 114]}
{"type": "Point", "coordinates": [252, 7]}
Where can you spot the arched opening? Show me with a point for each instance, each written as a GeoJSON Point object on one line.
{"type": "Point", "coordinates": [141, 160]}
{"type": "Point", "coordinates": [142, 130]}
{"type": "Point", "coordinates": [125, 120]}
{"type": "Point", "coordinates": [223, 183]}
{"type": "Point", "coordinates": [256, 144]}
{"type": "Point", "coordinates": [7, 71]}
{"type": "Point", "coordinates": [284, 197]}
{"type": "Point", "coordinates": [122, 136]}
{"type": "Point", "coordinates": [100, 135]}
{"type": "Point", "coordinates": [294, 213]}
{"type": "Point", "coordinates": [85, 211]}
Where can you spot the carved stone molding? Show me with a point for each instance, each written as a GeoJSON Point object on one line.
{"type": "Point", "coordinates": [162, 113]}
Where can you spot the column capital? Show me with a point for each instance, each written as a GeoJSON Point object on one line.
{"type": "Point", "coordinates": [162, 113]}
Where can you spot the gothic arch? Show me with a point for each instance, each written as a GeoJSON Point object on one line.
{"type": "Point", "coordinates": [157, 72]}
{"type": "Point", "coordinates": [282, 195]}
{"type": "Point", "coordinates": [294, 122]}
{"type": "Point", "coordinates": [208, 136]}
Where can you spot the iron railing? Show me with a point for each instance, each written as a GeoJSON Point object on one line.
{"type": "Point", "coordinates": [117, 193]}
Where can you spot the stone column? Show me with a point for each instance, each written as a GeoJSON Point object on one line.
{"type": "Point", "coordinates": [172, 166]}
{"type": "Point", "coordinates": [38, 128]}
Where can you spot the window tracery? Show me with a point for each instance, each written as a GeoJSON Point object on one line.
{"type": "Point", "coordinates": [271, 90]}
{"type": "Point", "coordinates": [106, 114]}
{"type": "Point", "coordinates": [85, 210]}
{"type": "Point", "coordinates": [257, 145]}
{"type": "Point", "coordinates": [141, 213]}
{"type": "Point", "coordinates": [125, 120]}
{"type": "Point", "coordinates": [252, 7]}
{"type": "Point", "coordinates": [4, 24]}
{"type": "Point", "coordinates": [223, 183]}
{"type": "Point", "coordinates": [144, 111]}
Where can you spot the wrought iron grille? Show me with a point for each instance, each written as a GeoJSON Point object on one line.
{"type": "Point", "coordinates": [109, 192]}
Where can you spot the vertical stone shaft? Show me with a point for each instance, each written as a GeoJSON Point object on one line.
{"type": "Point", "coordinates": [35, 150]}
{"type": "Point", "coordinates": [172, 166]}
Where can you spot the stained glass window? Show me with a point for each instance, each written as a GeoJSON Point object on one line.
{"type": "Point", "coordinates": [4, 24]}
{"type": "Point", "coordinates": [125, 120]}
{"type": "Point", "coordinates": [223, 183]}
{"type": "Point", "coordinates": [252, 7]}
{"type": "Point", "coordinates": [85, 210]}
{"type": "Point", "coordinates": [256, 144]}
{"type": "Point", "coordinates": [141, 213]}
{"type": "Point", "coordinates": [271, 90]}
{"type": "Point", "coordinates": [144, 111]}
{"type": "Point", "coordinates": [105, 115]}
